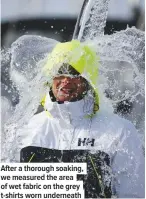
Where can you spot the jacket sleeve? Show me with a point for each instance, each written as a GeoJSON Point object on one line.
{"type": "Point", "coordinates": [128, 165]}
{"type": "Point", "coordinates": [31, 134]}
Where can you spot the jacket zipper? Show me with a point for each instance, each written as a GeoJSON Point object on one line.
{"type": "Point", "coordinates": [73, 132]}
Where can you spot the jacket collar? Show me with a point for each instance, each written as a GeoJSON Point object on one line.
{"type": "Point", "coordinates": [70, 110]}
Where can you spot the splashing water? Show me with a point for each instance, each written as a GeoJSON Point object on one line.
{"type": "Point", "coordinates": [121, 60]}
{"type": "Point", "coordinates": [26, 72]}
{"type": "Point", "coordinates": [121, 70]}
{"type": "Point", "coordinates": [93, 20]}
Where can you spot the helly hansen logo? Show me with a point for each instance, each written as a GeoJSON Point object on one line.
{"type": "Point", "coordinates": [85, 141]}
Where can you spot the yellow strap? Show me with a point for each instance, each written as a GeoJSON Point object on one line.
{"type": "Point", "coordinates": [31, 157]}
{"type": "Point", "coordinates": [98, 177]}
{"type": "Point", "coordinates": [43, 104]}
{"type": "Point", "coordinates": [43, 101]}
{"type": "Point", "coordinates": [48, 114]}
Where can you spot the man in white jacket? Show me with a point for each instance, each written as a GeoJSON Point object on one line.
{"type": "Point", "coordinates": [72, 120]}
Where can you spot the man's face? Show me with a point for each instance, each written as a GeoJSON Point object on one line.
{"type": "Point", "coordinates": [69, 88]}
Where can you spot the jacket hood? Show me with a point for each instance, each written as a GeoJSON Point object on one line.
{"type": "Point", "coordinates": [81, 57]}
{"type": "Point", "coordinates": [68, 111]}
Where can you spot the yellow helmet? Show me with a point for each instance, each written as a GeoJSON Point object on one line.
{"type": "Point", "coordinates": [81, 57]}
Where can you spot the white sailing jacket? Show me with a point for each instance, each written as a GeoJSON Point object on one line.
{"type": "Point", "coordinates": [67, 128]}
